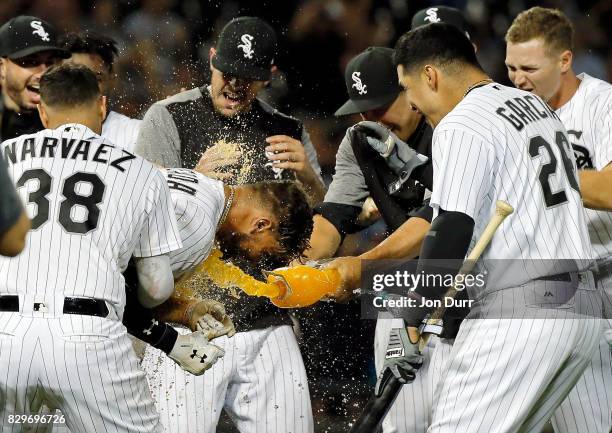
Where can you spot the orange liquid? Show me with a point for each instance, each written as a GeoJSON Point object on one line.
{"type": "Point", "coordinates": [226, 275]}
{"type": "Point", "coordinates": [308, 285]}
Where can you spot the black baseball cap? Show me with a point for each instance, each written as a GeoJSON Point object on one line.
{"type": "Point", "coordinates": [371, 81]}
{"type": "Point", "coordinates": [25, 35]}
{"type": "Point", "coordinates": [441, 14]}
{"type": "Point", "coordinates": [246, 49]}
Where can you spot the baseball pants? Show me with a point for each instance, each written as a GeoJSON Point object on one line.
{"type": "Point", "coordinates": [508, 374]}
{"type": "Point", "coordinates": [410, 411]}
{"type": "Point", "coordinates": [260, 382]}
{"type": "Point", "coordinates": [82, 365]}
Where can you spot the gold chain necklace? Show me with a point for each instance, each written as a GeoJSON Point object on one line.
{"type": "Point", "coordinates": [477, 84]}
{"type": "Point", "coordinates": [228, 205]}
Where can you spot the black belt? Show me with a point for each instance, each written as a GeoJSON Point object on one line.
{"type": "Point", "coordinates": [567, 276]}
{"type": "Point", "coordinates": [82, 306]}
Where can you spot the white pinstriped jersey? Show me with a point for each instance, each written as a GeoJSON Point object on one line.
{"type": "Point", "coordinates": [501, 143]}
{"type": "Point", "coordinates": [121, 130]}
{"type": "Point", "coordinates": [198, 203]}
{"type": "Point", "coordinates": [588, 120]}
{"type": "Point", "coordinates": [93, 206]}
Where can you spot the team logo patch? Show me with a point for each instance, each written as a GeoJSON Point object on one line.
{"type": "Point", "coordinates": [39, 30]}
{"type": "Point", "coordinates": [361, 88]}
{"type": "Point", "coordinates": [432, 15]}
{"type": "Point", "coordinates": [581, 153]}
{"type": "Point", "coordinates": [247, 45]}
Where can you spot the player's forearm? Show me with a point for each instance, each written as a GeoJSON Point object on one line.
{"type": "Point", "coordinates": [175, 310]}
{"type": "Point", "coordinates": [405, 242]}
{"type": "Point", "coordinates": [596, 188]}
{"type": "Point", "coordinates": [324, 241]}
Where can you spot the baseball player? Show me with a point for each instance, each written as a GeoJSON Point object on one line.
{"type": "Point", "coordinates": [371, 82]}
{"type": "Point", "coordinates": [92, 207]}
{"type": "Point", "coordinates": [499, 377]}
{"type": "Point", "coordinates": [196, 129]}
{"type": "Point", "coordinates": [254, 223]}
{"type": "Point", "coordinates": [539, 54]}
{"type": "Point", "coordinates": [14, 223]}
{"type": "Point", "coordinates": [28, 46]}
{"type": "Point", "coordinates": [98, 53]}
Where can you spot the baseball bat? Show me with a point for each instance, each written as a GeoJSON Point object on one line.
{"type": "Point", "coordinates": [502, 210]}
{"type": "Point", "coordinates": [377, 407]}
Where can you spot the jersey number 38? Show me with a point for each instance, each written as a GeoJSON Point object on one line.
{"type": "Point", "coordinates": [71, 199]}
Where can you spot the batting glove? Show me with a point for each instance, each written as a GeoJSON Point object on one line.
{"type": "Point", "coordinates": [209, 317]}
{"type": "Point", "coordinates": [193, 353]}
{"type": "Point", "coordinates": [402, 360]}
{"type": "Point", "coordinates": [400, 157]}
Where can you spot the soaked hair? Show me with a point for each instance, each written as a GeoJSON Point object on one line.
{"type": "Point", "coordinates": [288, 201]}
{"type": "Point", "coordinates": [68, 85]}
{"type": "Point", "coordinates": [551, 25]}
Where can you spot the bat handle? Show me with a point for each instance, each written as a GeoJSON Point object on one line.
{"type": "Point", "coordinates": [377, 407]}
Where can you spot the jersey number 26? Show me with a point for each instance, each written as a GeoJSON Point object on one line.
{"type": "Point", "coordinates": [536, 145]}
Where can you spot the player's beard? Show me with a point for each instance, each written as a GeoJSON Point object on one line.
{"type": "Point", "coordinates": [17, 93]}
{"type": "Point", "coordinates": [231, 245]}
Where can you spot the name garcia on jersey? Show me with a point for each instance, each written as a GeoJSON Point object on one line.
{"type": "Point", "coordinates": [66, 148]}
{"type": "Point", "coordinates": [521, 111]}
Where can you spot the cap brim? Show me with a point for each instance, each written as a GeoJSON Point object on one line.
{"type": "Point", "coordinates": [241, 70]}
{"type": "Point", "coordinates": [361, 106]}
{"type": "Point", "coordinates": [64, 54]}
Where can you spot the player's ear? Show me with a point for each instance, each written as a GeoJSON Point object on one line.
{"type": "Point", "coordinates": [565, 60]}
{"type": "Point", "coordinates": [430, 75]}
{"type": "Point", "coordinates": [42, 113]}
{"type": "Point", "coordinates": [102, 102]}
{"type": "Point", "coordinates": [2, 69]}
{"type": "Point", "coordinates": [261, 224]}
{"type": "Point", "coordinates": [211, 53]}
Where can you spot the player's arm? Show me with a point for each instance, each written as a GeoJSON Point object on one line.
{"type": "Point", "coordinates": [404, 243]}
{"type": "Point", "coordinates": [14, 223]}
{"type": "Point", "coordinates": [596, 185]}
{"type": "Point", "coordinates": [596, 188]}
{"type": "Point", "coordinates": [158, 138]}
{"type": "Point", "coordinates": [456, 200]}
{"type": "Point", "coordinates": [197, 314]}
{"type": "Point", "coordinates": [155, 281]}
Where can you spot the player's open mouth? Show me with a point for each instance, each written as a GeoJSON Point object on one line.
{"type": "Point", "coordinates": [234, 98]}
{"type": "Point", "coordinates": [33, 88]}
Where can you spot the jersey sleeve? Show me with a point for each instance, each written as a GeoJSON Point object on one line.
{"type": "Point", "coordinates": [160, 233]}
{"type": "Point", "coordinates": [603, 135]}
{"type": "Point", "coordinates": [311, 153]}
{"type": "Point", "coordinates": [348, 186]}
{"type": "Point", "coordinates": [158, 139]}
{"type": "Point", "coordinates": [463, 172]}
{"type": "Point", "coordinates": [10, 205]}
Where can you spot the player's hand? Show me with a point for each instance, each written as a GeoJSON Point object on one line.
{"type": "Point", "coordinates": [402, 358]}
{"type": "Point", "coordinates": [209, 317]}
{"type": "Point", "coordinates": [369, 212]}
{"type": "Point", "coordinates": [193, 353]}
{"type": "Point", "coordinates": [349, 269]}
{"type": "Point", "coordinates": [288, 153]}
{"type": "Point", "coordinates": [216, 159]}
{"type": "Point", "coordinates": [400, 157]}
